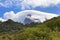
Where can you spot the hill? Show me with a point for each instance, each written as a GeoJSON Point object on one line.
{"type": "Point", "coordinates": [10, 26]}
{"type": "Point", "coordinates": [53, 23]}
{"type": "Point", "coordinates": [48, 30]}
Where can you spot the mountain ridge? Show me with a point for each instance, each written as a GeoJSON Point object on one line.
{"type": "Point", "coordinates": [48, 30]}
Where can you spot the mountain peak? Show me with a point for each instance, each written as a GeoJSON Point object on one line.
{"type": "Point", "coordinates": [29, 16]}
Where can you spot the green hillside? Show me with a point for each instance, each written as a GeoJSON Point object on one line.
{"type": "Point", "coordinates": [49, 30]}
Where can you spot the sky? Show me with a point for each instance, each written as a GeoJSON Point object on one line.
{"type": "Point", "coordinates": [49, 6]}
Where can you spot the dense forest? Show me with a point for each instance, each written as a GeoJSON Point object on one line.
{"type": "Point", "coordinates": [48, 30]}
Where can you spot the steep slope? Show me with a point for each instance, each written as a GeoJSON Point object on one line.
{"type": "Point", "coordinates": [53, 23]}
{"type": "Point", "coordinates": [10, 26]}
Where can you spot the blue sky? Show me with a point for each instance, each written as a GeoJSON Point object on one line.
{"type": "Point", "coordinates": [21, 5]}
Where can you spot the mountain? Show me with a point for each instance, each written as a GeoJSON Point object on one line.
{"type": "Point", "coordinates": [53, 23]}
{"type": "Point", "coordinates": [48, 30]}
{"type": "Point", "coordinates": [29, 16]}
{"type": "Point", "coordinates": [10, 26]}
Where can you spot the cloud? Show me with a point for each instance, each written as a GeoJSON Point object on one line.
{"type": "Point", "coordinates": [20, 16]}
{"type": "Point", "coordinates": [9, 15]}
{"type": "Point", "coordinates": [27, 3]}
{"type": "Point", "coordinates": [6, 3]}
{"type": "Point", "coordinates": [2, 20]}
{"type": "Point", "coordinates": [44, 3]}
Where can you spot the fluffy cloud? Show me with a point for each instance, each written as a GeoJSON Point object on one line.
{"type": "Point", "coordinates": [2, 20]}
{"type": "Point", "coordinates": [20, 16]}
{"type": "Point", "coordinates": [9, 15]}
{"type": "Point", "coordinates": [27, 3]}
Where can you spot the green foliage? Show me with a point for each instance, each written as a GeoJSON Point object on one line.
{"type": "Point", "coordinates": [53, 23]}
{"type": "Point", "coordinates": [49, 30]}
{"type": "Point", "coordinates": [37, 33]}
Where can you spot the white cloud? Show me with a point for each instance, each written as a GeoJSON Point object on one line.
{"type": "Point", "coordinates": [27, 3]}
{"type": "Point", "coordinates": [44, 3]}
{"type": "Point", "coordinates": [6, 3]}
{"type": "Point", "coordinates": [9, 15]}
{"type": "Point", "coordinates": [20, 16]}
{"type": "Point", "coordinates": [2, 20]}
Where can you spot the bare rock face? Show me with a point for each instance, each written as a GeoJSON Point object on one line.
{"type": "Point", "coordinates": [29, 19]}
